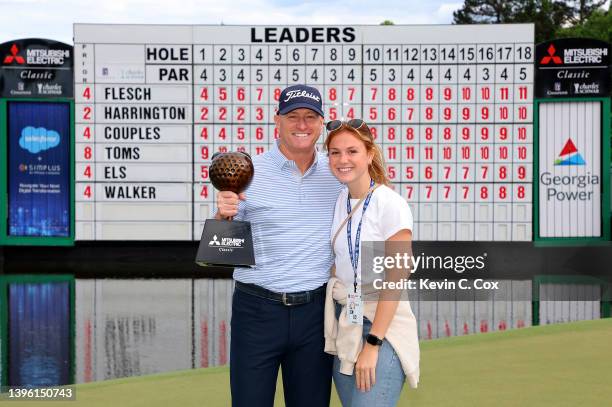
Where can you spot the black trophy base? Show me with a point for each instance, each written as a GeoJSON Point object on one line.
{"type": "Point", "coordinates": [226, 243]}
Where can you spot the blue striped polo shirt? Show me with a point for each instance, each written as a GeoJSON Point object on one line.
{"type": "Point", "coordinates": [291, 216]}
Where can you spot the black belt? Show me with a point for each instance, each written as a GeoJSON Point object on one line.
{"type": "Point", "coordinates": [302, 297]}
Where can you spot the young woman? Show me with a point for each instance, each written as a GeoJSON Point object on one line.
{"type": "Point", "coordinates": [375, 353]}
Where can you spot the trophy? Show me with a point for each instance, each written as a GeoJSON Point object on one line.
{"type": "Point", "coordinates": [228, 243]}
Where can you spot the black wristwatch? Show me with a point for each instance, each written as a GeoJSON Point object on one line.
{"type": "Point", "coordinates": [374, 340]}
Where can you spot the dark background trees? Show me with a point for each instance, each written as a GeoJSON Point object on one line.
{"type": "Point", "coordinates": [552, 18]}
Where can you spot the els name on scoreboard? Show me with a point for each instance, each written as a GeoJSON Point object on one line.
{"type": "Point", "coordinates": [451, 107]}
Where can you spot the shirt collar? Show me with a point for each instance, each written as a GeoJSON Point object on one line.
{"type": "Point", "coordinates": [281, 161]}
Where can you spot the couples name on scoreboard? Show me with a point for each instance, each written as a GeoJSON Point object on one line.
{"type": "Point", "coordinates": [451, 107]}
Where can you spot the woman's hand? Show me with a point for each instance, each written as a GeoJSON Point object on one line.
{"type": "Point", "coordinates": [365, 368]}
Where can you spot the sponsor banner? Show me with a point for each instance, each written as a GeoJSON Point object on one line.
{"type": "Point", "coordinates": [570, 178]}
{"type": "Point", "coordinates": [39, 169]}
{"type": "Point", "coordinates": [572, 67]}
{"type": "Point", "coordinates": [36, 68]}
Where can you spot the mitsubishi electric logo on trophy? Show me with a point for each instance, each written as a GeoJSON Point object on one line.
{"type": "Point", "coordinates": [214, 241]}
{"type": "Point", "coordinates": [226, 242]}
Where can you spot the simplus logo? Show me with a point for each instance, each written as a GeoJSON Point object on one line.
{"type": "Point", "coordinates": [570, 155]}
{"type": "Point", "coordinates": [14, 57]}
{"type": "Point", "coordinates": [551, 57]}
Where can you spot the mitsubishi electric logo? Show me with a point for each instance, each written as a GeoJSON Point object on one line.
{"type": "Point", "coordinates": [226, 242]}
{"type": "Point", "coordinates": [14, 57]}
{"type": "Point", "coordinates": [551, 57]}
{"type": "Point", "coordinates": [570, 155]}
{"type": "Point", "coordinates": [37, 56]}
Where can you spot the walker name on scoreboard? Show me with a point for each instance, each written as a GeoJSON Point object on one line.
{"type": "Point", "coordinates": [302, 34]}
{"type": "Point", "coordinates": [130, 192]}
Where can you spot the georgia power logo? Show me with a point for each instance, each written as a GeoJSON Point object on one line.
{"type": "Point", "coordinates": [14, 57]}
{"type": "Point", "coordinates": [579, 185]}
{"type": "Point", "coordinates": [226, 243]}
{"type": "Point", "coordinates": [570, 155]}
{"type": "Point", "coordinates": [551, 57]}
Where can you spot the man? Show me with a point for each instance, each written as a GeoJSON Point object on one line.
{"type": "Point", "coordinates": [277, 308]}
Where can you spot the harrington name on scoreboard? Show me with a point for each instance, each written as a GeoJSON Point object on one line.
{"type": "Point", "coordinates": [451, 107]}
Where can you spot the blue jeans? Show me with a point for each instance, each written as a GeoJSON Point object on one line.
{"type": "Point", "coordinates": [390, 378]}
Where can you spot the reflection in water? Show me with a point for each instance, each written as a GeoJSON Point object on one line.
{"type": "Point", "coordinates": [39, 334]}
{"type": "Point", "coordinates": [39, 370]}
{"type": "Point", "coordinates": [128, 340]}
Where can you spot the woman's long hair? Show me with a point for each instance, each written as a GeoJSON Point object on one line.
{"type": "Point", "coordinates": [377, 168]}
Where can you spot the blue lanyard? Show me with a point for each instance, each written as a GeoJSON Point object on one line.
{"type": "Point", "coordinates": [355, 254]}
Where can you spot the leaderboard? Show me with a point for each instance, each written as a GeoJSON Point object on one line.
{"type": "Point", "coordinates": [451, 107]}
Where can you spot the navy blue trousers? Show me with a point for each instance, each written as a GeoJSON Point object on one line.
{"type": "Point", "coordinates": [267, 334]}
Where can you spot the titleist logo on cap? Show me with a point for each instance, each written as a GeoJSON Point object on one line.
{"type": "Point", "coordinates": [300, 94]}
{"type": "Point", "coordinates": [300, 97]}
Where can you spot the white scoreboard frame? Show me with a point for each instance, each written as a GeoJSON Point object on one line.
{"type": "Point", "coordinates": [452, 107]}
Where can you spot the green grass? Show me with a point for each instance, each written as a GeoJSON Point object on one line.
{"type": "Point", "coordinates": [555, 365]}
